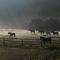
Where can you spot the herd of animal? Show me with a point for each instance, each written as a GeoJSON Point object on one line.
{"type": "Point", "coordinates": [47, 32]}
{"type": "Point", "coordinates": [39, 31]}
{"type": "Point", "coordinates": [43, 38]}
{"type": "Point", "coordinates": [46, 38]}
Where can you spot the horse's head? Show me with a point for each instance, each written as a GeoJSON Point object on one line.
{"type": "Point", "coordinates": [9, 32]}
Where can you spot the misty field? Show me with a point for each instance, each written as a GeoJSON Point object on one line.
{"type": "Point", "coordinates": [27, 46]}
{"type": "Point", "coordinates": [25, 38]}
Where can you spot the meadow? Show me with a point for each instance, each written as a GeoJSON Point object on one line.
{"type": "Point", "coordinates": [27, 46]}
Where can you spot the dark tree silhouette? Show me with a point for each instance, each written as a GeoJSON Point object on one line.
{"type": "Point", "coordinates": [36, 24]}
{"type": "Point", "coordinates": [50, 24]}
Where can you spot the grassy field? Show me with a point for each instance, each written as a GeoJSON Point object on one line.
{"type": "Point", "coordinates": [28, 47]}
{"type": "Point", "coordinates": [29, 43]}
{"type": "Point", "coordinates": [12, 49]}
{"type": "Point", "coordinates": [28, 54]}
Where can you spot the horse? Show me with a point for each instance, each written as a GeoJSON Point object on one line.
{"type": "Point", "coordinates": [55, 33]}
{"type": "Point", "coordinates": [48, 33]}
{"type": "Point", "coordinates": [11, 34]}
{"type": "Point", "coordinates": [32, 31]}
{"type": "Point", "coordinates": [41, 31]}
{"type": "Point", "coordinates": [45, 39]}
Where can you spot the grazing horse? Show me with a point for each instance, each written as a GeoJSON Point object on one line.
{"type": "Point", "coordinates": [45, 39]}
{"type": "Point", "coordinates": [11, 34]}
{"type": "Point", "coordinates": [55, 33]}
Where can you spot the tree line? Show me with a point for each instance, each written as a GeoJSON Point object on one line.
{"type": "Point", "coordinates": [48, 24]}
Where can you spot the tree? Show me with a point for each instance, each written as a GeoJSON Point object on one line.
{"type": "Point", "coordinates": [36, 24]}
{"type": "Point", "coordinates": [48, 25]}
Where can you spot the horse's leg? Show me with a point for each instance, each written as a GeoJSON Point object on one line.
{"type": "Point", "coordinates": [53, 34]}
{"type": "Point", "coordinates": [44, 42]}
{"type": "Point", "coordinates": [10, 35]}
{"type": "Point", "coordinates": [31, 32]}
{"type": "Point", "coordinates": [41, 43]}
{"type": "Point", "coordinates": [14, 35]}
{"type": "Point", "coordinates": [50, 42]}
{"type": "Point", "coordinates": [47, 34]}
{"type": "Point", "coordinates": [41, 33]}
{"type": "Point", "coordinates": [57, 34]}
{"type": "Point", "coordinates": [50, 34]}
{"type": "Point", "coordinates": [34, 32]}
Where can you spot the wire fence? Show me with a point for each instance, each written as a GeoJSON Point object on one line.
{"type": "Point", "coordinates": [12, 42]}
{"type": "Point", "coordinates": [16, 42]}
{"type": "Point", "coordinates": [22, 43]}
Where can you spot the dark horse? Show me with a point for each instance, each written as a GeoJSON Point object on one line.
{"type": "Point", "coordinates": [11, 34]}
{"type": "Point", "coordinates": [45, 39]}
{"type": "Point", "coordinates": [55, 33]}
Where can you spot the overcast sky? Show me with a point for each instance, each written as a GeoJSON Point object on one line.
{"type": "Point", "coordinates": [14, 8]}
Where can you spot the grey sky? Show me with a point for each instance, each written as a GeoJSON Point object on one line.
{"type": "Point", "coordinates": [10, 8]}
{"type": "Point", "coordinates": [29, 7]}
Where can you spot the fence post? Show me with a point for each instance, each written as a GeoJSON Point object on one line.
{"type": "Point", "coordinates": [22, 43]}
{"type": "Point", "coordinates": [3, 42]}
{"type": "Point", "coordinates": [29, 57]}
